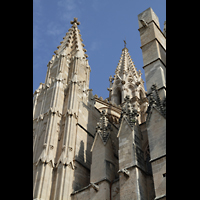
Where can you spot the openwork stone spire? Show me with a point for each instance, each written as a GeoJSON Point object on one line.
{"type": "Point", "coordinates": [129, 112]}
{"type": "Point", "coordinates": [103, 128]}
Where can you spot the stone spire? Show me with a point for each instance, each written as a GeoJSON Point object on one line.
{"type": "Point", "coordinates": [125, 65]}
{"type": "Point", "coordinates": [56, 114]}
{"type": "Point", "coordinates": [127, 81]}
{"type": "Point", "coordinates": [68, 56]}
{"type": "Point", "coordinates": [72, 43]}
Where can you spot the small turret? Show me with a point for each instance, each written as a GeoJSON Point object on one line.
{"type": "Point", "coordinates": [127, 81]}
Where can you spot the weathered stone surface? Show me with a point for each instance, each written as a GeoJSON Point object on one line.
{"type": "Point", "coordinates": [153, 42]}
{"type": "Point", "coordinates": [148, 15]}
{"type": "Point", "coordinates": [86, 147]}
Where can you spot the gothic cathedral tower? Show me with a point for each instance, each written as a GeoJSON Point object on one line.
{"type": "Point", "coordinates": [153, 45]}
{"type": "Point", "coordinates": [60, 114]}
{"type": "Point", "coordinates": [86, 147]}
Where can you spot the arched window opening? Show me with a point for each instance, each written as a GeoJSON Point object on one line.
{"type": "Point", "coordinates": [119, 97]}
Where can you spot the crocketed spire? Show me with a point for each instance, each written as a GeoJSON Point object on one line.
{"type": "Point", "coordinates": [126, 81]}
{"type": "Point", "coordinates": [125, 65]}
{"type": "Point", "coordinates": [72, 43]}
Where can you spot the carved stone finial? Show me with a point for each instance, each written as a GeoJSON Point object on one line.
{"type": "Point", "coordinates": [111, 78]}
{"type": "Point", "coordinates": [75, 21]}
{"type": "Point", "coordinates": [139, 73]}
{"type": "Point", "coordinates": [129, 112]}
{"type": "Point", "coordinates": [103, 127]}
{"type": "Point", "coordinates": [155, 101]}
{"type": "Point", "coordinates": [125, 43]}
{"type": "Point", "coordinates": [153, 87]}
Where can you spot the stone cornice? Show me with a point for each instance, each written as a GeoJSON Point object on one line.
{"type": "Point", "coordinates": [105, 102]}
{"type": "Point", "coordinates": [153, 62]}
{"type": "Point", "coordinates": [50, 111]}
{"type": "Point", "coordinates": [156, 26]}
{"type": "Point", "coordinates": [92, 184]}
{"type": "Point", "coordinates": [159, 157]}
{"type": "Point", "coordinates": [48, 85]}
{"type": "Point", "coordinates": [56, 112]}
{"type": "Point", "coordinates": [134, 166]}
{"type": "Point", "coordinates": [152, 41]}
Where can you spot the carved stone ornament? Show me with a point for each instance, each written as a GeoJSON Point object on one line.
{"type": "Point", "coordinates": [103, 127]}
{"type": "Point", "coordinates": [71, 113]}
{"type": "Point", "coordinates": [139, 73]}
{"type": "Point", "coordinates": [50, 111]}
{"type": "Point", "coordinates": [155, 101]}
{"type": "Point", "coordinates": [124, 171]}
{"type": "Point", "coordinates": [64, 160]}
{"type": "Point", "coordinates": [44, 158]}
{"type": "Point", "coordinates": [129, 112]}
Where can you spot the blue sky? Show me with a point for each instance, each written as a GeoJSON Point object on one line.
{"type": "Point", "coordinates": [104, 26]}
